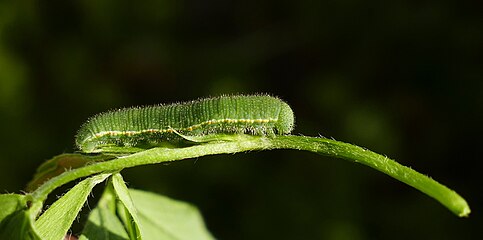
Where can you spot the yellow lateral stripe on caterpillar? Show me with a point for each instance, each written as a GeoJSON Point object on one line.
{"type": "Point", "coordinates": [154, 125]}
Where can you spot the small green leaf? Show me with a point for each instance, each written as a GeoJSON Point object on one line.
{"type": "Point", "coordinates": [9, 203]}
{"type": "Point", "coordinates": [157, 216]}
{"type": "Point", "coordinates": [15, 219]}
{"type": "Point", "coordinates": [127, 209]}
{"type": "Point", "coordinates": [18, 225]}
{"type": "Point", "coordinates": [56, 221]}
{"type": "Point", "coordinates": [164, 218]}
{"type": "Point", "coordinates": [103, 222]}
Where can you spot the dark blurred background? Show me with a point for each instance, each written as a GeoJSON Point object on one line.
{"type": "Point", "coordinates": [403, 78]}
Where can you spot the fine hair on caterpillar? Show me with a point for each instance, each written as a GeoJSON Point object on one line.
{"type": "Point", "coordinates": [169, 124]}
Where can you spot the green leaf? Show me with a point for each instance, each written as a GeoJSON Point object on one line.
{"type": "Point", "coordinates": [103, 223]}
{"type": "Point", "coordinates": [15, 219]}
{"type": "Point", "coordinates": [56, 221]}
{"type": "Point", "coordinates": [126, 208]}
{"type": "Point", "coordinates": [18, 226]}
{"type": "Point", "coordinates": [9, 203]}
{"type": "Point", "coordinates": [157, 216]}
{"type": "Point", "coordinates": [164, 218]}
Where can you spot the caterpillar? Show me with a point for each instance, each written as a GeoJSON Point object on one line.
{"type": "Point", "coordinates": [166, 125]}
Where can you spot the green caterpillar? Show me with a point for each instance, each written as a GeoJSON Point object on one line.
{"type": "Point", "coordinates": [167, 125]}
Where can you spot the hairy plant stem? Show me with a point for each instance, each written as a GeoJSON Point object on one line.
{"type": "Point", "coordinates": [243, 143]}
